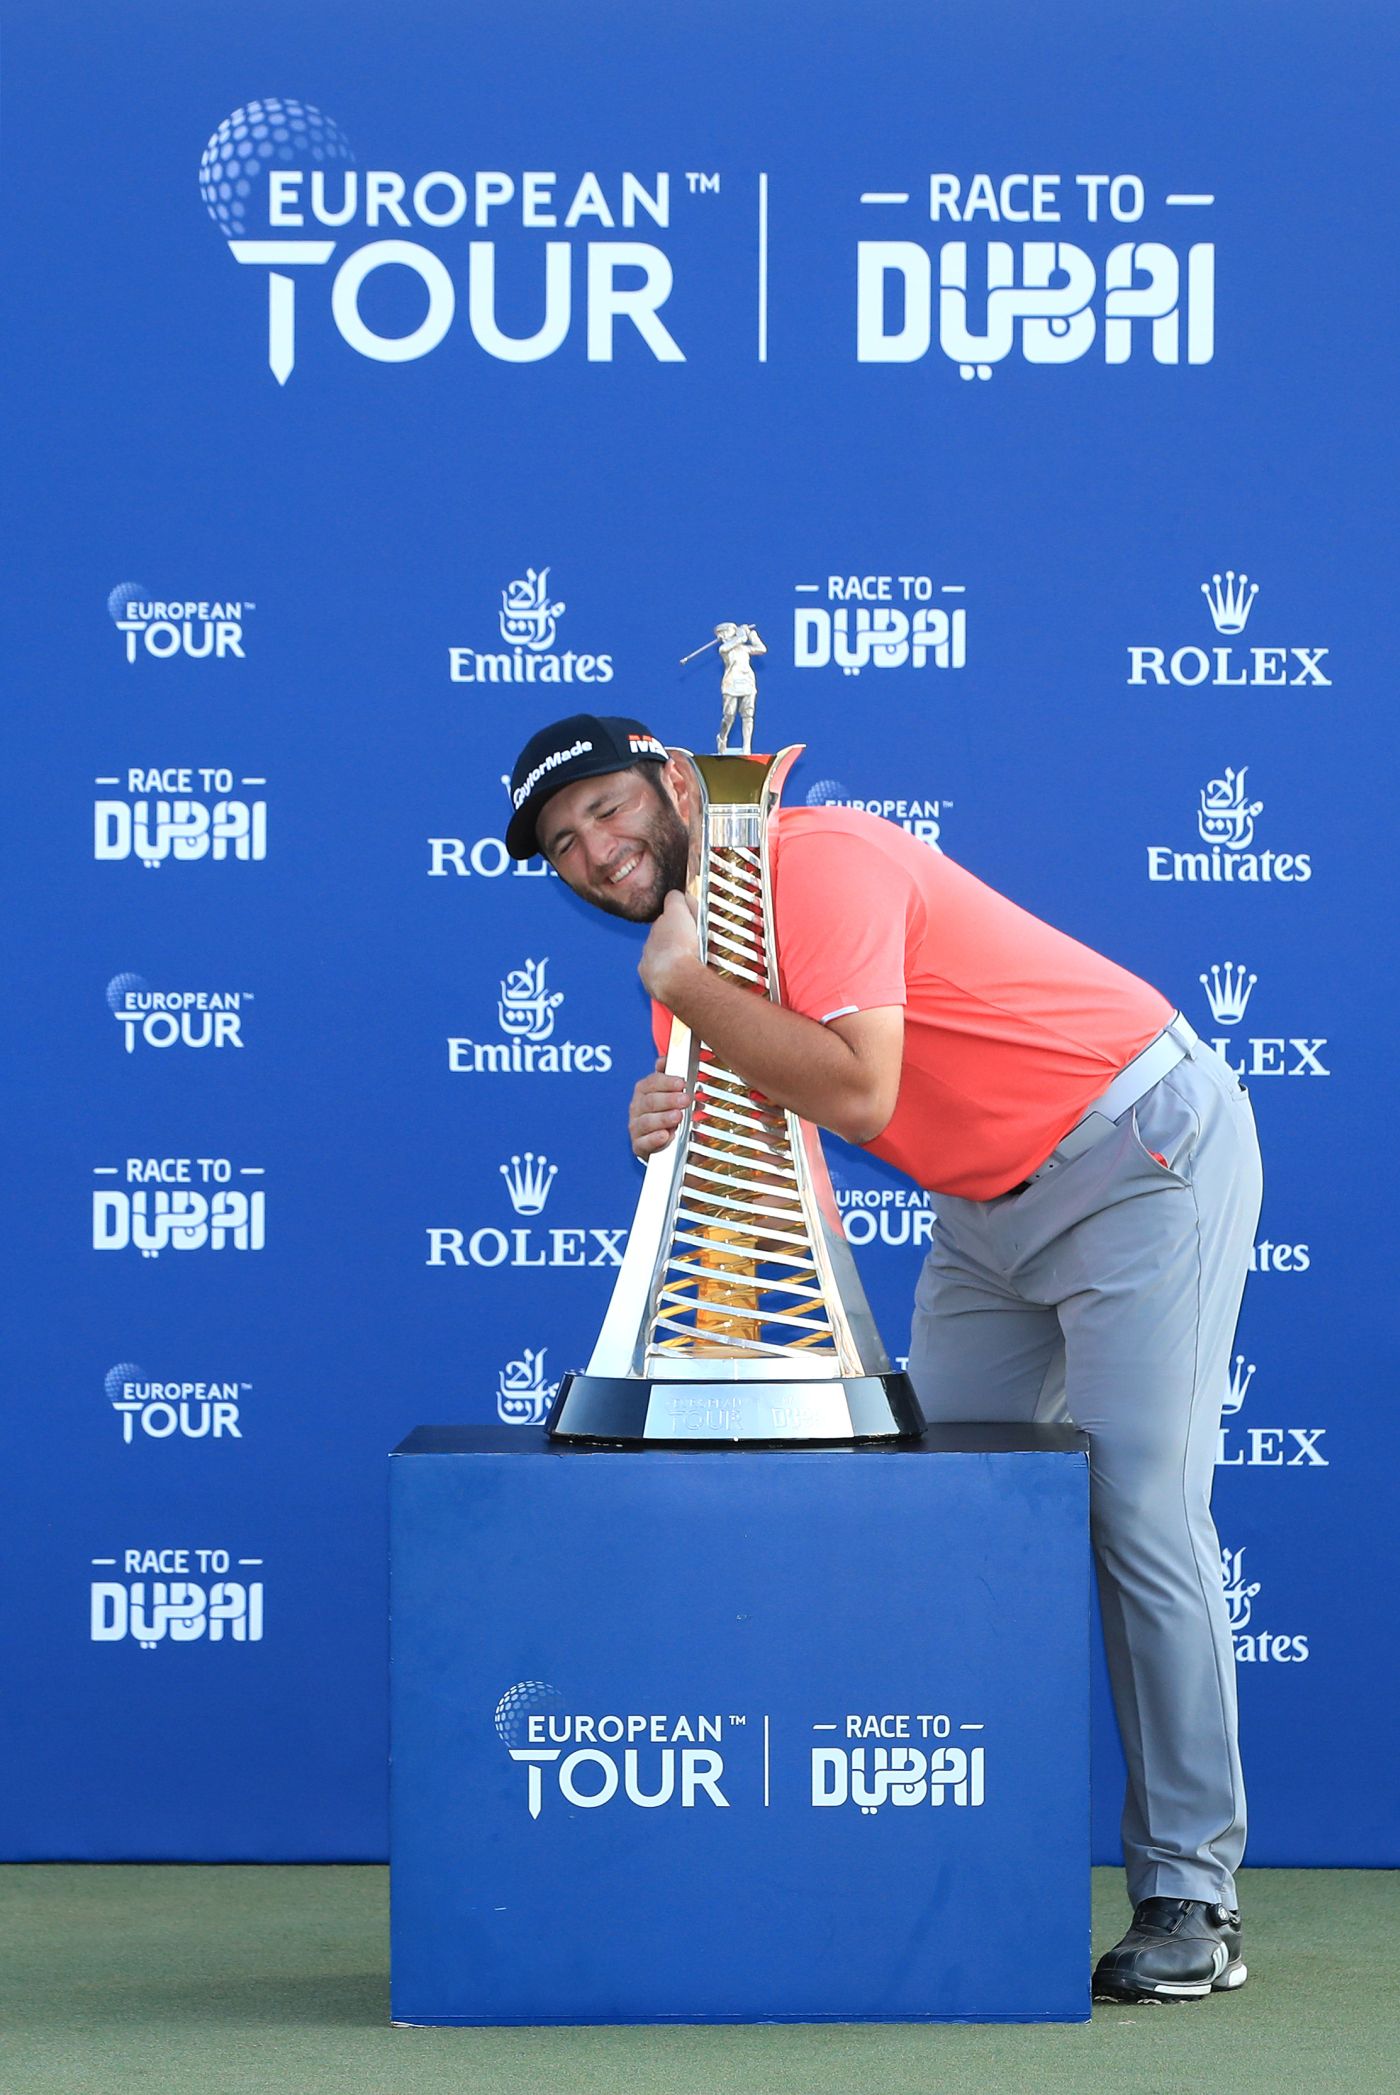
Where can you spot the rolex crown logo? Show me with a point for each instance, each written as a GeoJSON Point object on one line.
{"type": "Point", "coordinates": [528, 1180]}
{"type": "Point", "coordinates": [1241, 1375]}
{"type": "Point", "coordinates": [1227, 989]}
{"type": "Point", "coordinates": [1230, 600]}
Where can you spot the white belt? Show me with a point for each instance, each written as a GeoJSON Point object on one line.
{"type": "Point", "coordinates": [1132, 1082]}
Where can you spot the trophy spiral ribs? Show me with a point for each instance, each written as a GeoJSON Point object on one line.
{"type": "Point", "coordinates": [740, 1275]}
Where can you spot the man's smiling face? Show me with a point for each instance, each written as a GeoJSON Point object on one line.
{"type": "Point", "coordinates": [620, 841]}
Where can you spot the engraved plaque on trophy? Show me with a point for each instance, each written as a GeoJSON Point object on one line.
{"type": "Point", "coordinates": [738, 1315]}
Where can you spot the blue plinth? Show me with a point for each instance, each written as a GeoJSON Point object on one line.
{"type": "Point", "coordinates": [740, 1735]}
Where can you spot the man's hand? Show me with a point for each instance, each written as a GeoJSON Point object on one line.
{"type": "Point", "coordinates": [672, 949]}
{"type": "Point", "coordinates": [655, 1112]}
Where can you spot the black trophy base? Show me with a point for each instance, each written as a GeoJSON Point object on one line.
{"type": "Point", "coordinates": [621, 1412]}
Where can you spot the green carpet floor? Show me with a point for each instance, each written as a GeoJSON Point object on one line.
{"type": "Point", "coordinates": [239, 1981]}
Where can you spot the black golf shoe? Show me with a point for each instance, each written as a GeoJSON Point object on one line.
{"type": "Point", "coordinates": [1176, 1949]}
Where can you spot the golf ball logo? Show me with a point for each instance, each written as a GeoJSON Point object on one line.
{"type": "Point", "coordinates": [519, 1703]}
{"type": "Point", "coordinates": [278, 131]}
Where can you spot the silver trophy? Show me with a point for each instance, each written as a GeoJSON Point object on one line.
{"type": "Point", "coordinates": [738, 1315]}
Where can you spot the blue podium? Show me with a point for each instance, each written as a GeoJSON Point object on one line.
{"type": "Point", "coordinates": [741, 1735]}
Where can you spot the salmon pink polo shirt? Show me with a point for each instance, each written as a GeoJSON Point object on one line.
{"type": "Point", "coordinates": [1011, 1029]}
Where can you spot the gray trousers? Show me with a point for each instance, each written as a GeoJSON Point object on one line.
{"type": "Point", "coordinates": [1107, 1293]}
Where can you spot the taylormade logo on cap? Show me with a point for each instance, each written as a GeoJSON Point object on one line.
{"type": "Point", "coordinates": [560, 756]}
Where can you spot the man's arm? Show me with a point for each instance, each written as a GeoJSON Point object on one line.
{"type": "Point", "coordinates": [844, 1075]}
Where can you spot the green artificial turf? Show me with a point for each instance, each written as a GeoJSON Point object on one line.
{"type": "Point", "coordinates": [241, 1981]}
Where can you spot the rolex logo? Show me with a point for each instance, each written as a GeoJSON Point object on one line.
{"type": "Point", "coordinates": [1227, 989]}
{"type": "Point", "coordinates": [528, 1180]}
{"type": "Point", "coordinates": [1230, 600]}
{"type": "Point", "coordinates": [1241, 1375]}
{"type": "Point", "coordinates": [1267, 664]}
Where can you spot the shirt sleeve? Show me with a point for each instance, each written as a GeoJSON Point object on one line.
{"type": "Point", "coordinates": [840, 908]}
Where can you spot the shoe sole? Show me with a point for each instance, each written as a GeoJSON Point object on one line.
{"type": "Point", "coordinates": [1165, 1995]}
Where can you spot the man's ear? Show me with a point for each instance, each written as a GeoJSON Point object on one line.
{"type": "Point", "coordinates": [676, 772]}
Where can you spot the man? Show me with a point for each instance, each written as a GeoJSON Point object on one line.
{"type": "Point", "coordinates": [1097, 1180]}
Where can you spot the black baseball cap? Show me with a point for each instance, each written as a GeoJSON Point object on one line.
{"type": "Point", "coordinates": [586, 745]}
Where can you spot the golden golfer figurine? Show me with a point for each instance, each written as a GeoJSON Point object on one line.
{"type": "Point", "coordinates": [738, 1314]}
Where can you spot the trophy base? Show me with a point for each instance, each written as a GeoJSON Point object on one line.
{"type": "Point", "coordinates": [616, 1409]}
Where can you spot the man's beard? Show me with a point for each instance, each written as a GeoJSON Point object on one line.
{"type": "Point", "coordinates": [668, 841]}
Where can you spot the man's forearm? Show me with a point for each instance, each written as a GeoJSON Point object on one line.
{"type": "Point", "coordinates": [790, 1059]}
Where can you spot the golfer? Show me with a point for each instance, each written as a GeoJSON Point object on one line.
{"type": "Point", "coordinates": [1097, 1181]}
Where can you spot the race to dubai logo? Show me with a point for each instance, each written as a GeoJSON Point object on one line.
{"type": "Point", "coordinates": [525, 1011]}
{"type": "Point", "coordinates": [1225, 820]}
{"type": "Point", "coordinates": [178, 1204]}
{"type": "Point", "coordinates": [180, 812]}
{"type": "Point", "coordinates": [523, 1396]}
{"type": "Point", "coordinates": [180, 1596]}
{"type": "Point", "coordinates": [1051, 299]}
{"type": "Point", "coordinates": [879, 621]}
{"type": "Point", "coordinates": [529, 622]}
{"type": "Point", "coordinates": [1229, 599]}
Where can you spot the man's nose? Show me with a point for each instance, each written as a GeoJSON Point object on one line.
{"type": "Point", "coordinates": [597, 851]}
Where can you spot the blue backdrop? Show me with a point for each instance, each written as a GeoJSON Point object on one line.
{"type": "Point", "coordinates": [369, 368]}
